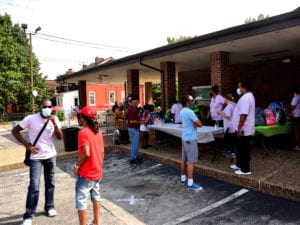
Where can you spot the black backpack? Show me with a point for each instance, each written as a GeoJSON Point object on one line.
{"type": "Point", "coordinates": [280, 116]}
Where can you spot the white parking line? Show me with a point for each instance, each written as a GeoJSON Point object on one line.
{"type": "Point", "coordinates": [145, 170]}
{"type": "Point", "coordinates": [210, 207]}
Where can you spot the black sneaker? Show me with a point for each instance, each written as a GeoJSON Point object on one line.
{"type": "Point", "coordinates": [139, 158]}
{"type": "Point", "coordinates": [135, 161]}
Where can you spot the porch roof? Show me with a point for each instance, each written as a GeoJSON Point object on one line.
{"type": "Point", "coordinates": [277, 37]}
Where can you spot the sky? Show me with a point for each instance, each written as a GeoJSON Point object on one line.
{"type": "Point", "coordinates": [74, 32]}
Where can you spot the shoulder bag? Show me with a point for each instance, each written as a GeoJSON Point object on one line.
{"type": "Point", "coordinates": [27, 153]}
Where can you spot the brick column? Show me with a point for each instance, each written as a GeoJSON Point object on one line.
{"type": "Point", "coordinates": [82, 93]}
{"type": "Point", "coordinates": [168, 83]}
{"type": "Point", "coordinates": [133, 82]}
{"type": "Point", "coordinates": [219, 73]}
{"type": "Point", "coordinates": [148, 93]}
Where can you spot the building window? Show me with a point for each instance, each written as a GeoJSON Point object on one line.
{"type": "Point", "coordinates": [112, 98]}
{"type": "Point", "coordinates": [92, 100]}
{"type": "Point", "coordinates": [122, 96]}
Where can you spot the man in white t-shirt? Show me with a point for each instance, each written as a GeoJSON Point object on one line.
{"type": "Point", "coordinates": [43, 154]}
{"type": "Point", "coordinates": [243, 121]}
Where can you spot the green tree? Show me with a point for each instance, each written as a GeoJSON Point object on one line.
{"type": "Point", "coordinates": [259, 17]}
{"type": "Point", "coordinates": [15, 85]}
{"type": "Point", "coordinates": [156, 94]}
{"type": "Point", "coordinates": [172, 40]}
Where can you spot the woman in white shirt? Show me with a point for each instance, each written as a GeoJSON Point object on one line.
{"type": "Point", "coordinates": [295, 108]}
{"type": "Point", "coordinates": [216, 104]}
{"type": "Point", "coordinates": [229, 130]}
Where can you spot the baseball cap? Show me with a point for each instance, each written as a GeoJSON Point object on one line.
{"type": "Point", "coordinates": [88, 111]}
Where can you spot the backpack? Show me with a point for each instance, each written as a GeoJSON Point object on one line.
{"type": "Point", "coordinates": [280, 116]}
{"type": "Point", "coordinates": [278, 110]}
{"type": "Point", "coordinates": [116, 137]}
{"type": "Point", "coordinates": [260, 119]}
{"type": "Point", "coordinates": [270, 117]}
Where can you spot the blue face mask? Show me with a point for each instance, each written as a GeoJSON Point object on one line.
{"type": "Point", "coordinates": [191, 105]}
{"type": "Point", "coordinates": [238, 91]}
{"type": "Point", "coordinates": [46, 112]}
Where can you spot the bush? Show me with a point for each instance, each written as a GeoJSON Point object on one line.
{"type": "Point", "coordinates": [60, 115]}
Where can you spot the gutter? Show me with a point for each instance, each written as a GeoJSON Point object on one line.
{"type": "Point", "coordinates": [163, 80]}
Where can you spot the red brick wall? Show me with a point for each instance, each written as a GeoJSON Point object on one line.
{"type": "Point", "coordinates": [219, 70]}
{"type": "Point", "coordinates": [271, 80]}
{"type": "Point", "coordinates": [189, 79]}
{"type": "Point", "coordinates": [168, 83]}
{"type": "Point", "coordinates": [132, 82]}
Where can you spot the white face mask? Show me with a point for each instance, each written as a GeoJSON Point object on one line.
{"type": "Point", "coordinates": [238, 91]}
{"type": "Point", "coordinates": [46, 112]}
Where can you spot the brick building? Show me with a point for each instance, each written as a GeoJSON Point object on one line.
{"type": "Point", "coordinates": [266, 52]}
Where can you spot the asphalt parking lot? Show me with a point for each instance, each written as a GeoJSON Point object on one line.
{"type": "Point", "coordinates": [149, 193]}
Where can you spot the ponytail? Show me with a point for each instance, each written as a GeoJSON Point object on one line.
{"type": "Point", "coordinates": [92, 123]}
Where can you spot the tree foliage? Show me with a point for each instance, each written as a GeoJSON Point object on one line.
{"type": "Point", "coordinates": [259, 17]}
{"type": "Point", "coordinates": [172, 40]}
{"type": "Point", "coordinates": [15, 85]}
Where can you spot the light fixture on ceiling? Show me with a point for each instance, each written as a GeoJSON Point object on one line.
{"type": "Point", "coordinates": [286, 60]}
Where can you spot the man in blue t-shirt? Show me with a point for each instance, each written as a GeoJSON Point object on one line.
{"type": "Point", "coordinates": [189, 155]}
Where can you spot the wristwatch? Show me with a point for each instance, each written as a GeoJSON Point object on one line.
{"type": "Point", "coordinates": [76, 166]}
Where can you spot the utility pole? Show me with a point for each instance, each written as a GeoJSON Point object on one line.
{"type": "Point", "coordinates": [33, 92]}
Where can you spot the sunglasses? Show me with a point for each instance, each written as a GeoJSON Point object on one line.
{"type": "Point", "coordinates": [46, 106]}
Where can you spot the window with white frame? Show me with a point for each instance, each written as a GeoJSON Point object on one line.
{"type": "Point", "coordinates": [112, 98]}
{"type": "Point", "coordinates": [92, 98]}
{"type": "Point", "coordinates": [122, 96]}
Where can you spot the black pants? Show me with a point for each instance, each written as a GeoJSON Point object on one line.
{"type": "Point", "coordinates": [229, 141]}
{"type": "Point", "coordinates": [243, 153]}
{"type": "Point", "coordinates": [124, 136]}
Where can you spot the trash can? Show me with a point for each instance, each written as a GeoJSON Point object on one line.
{"type": "Point", "coordinates": [70, 138]}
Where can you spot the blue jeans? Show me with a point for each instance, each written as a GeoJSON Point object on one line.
{"type": "Point", "coordinates": [83, 187]}
{"type": "Point", "coordinates": [34, 185]}
{"type": "Point", "coordinates": [134, 134]}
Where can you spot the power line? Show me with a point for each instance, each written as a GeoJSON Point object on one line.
{"type": "Point", "coordinates": [81, 43]}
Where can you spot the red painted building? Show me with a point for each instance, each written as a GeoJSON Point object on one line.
{"type": "Point", "coordinates": [103, 96]}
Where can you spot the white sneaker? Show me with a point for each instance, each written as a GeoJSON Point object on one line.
{"type": "Point", "coordinates": [239, 172]}
{"type": "Point", "coordinates": [27, 222]}
{"type": "Point", "coordinates": [52, 212]}
{"type": "Point", "coordinates": [235, 167]}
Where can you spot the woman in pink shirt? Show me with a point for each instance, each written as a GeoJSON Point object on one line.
{"type": "Point", "coordinates": [295, 108]}
{"type": "Point", "coordinates": [216, 105]}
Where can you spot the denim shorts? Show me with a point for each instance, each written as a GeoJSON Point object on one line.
{"type": "Point", "coordinates": [83, 188]}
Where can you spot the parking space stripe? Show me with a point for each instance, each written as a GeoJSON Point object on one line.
{"type": "Point", "coordinates": [208, 208]}
{"type": "Point", "coordinates": [142, 171]}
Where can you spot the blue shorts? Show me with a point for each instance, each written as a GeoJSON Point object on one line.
{"type": "Point", "coordinates": [83, 188]}
{"type": "Point", "coordinates": [189, 151]}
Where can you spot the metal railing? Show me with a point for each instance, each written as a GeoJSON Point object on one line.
{"type": "Point", "coordinates": [106, 120]}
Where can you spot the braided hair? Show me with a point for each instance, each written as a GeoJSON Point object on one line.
{"type": "Point", "coordinates": [92, 123]}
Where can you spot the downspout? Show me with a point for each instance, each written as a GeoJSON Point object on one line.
{"type": "Point", "coordinates": [163, 80]}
